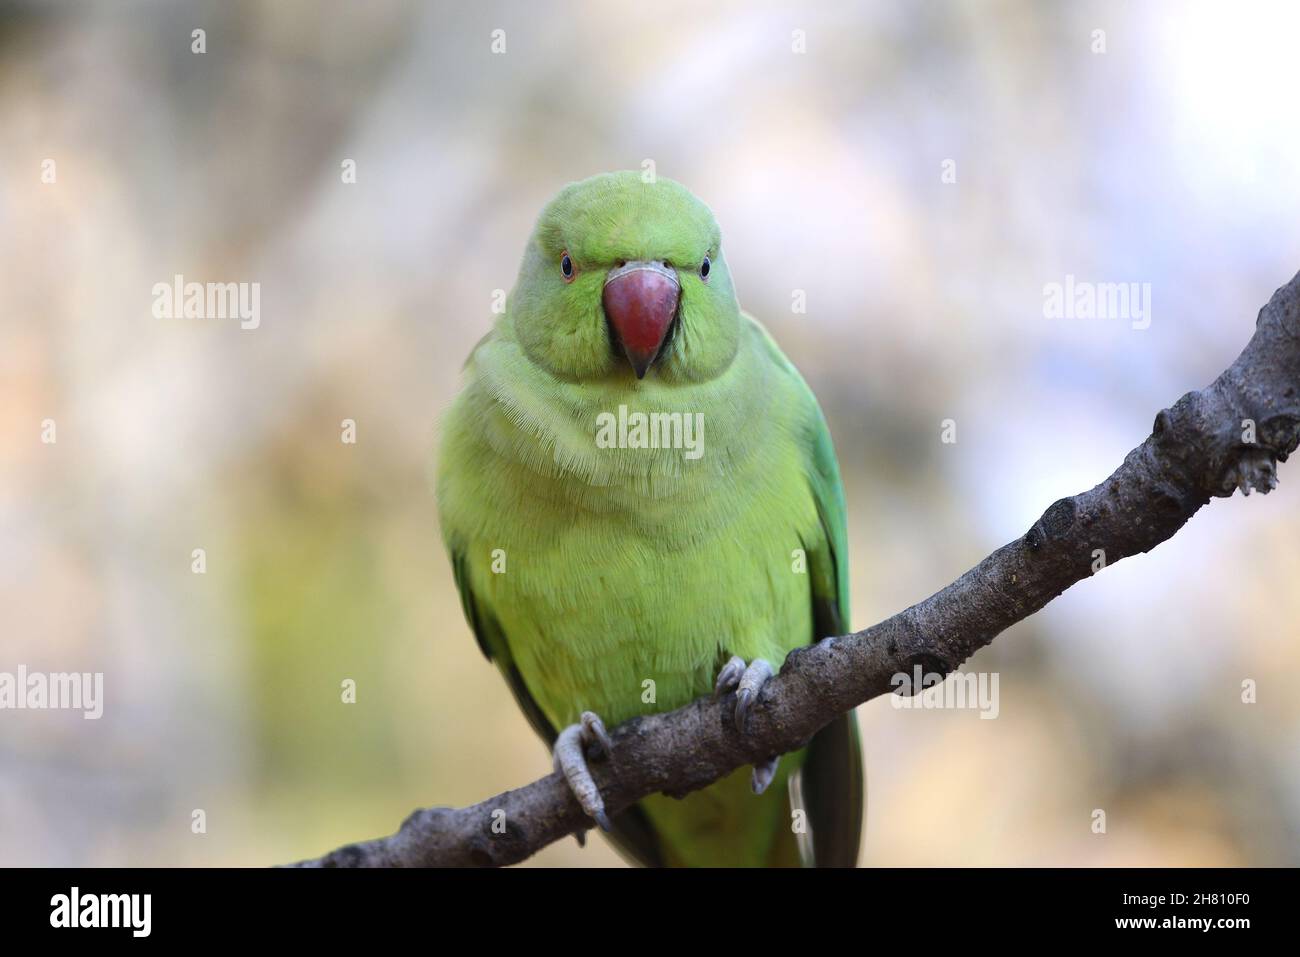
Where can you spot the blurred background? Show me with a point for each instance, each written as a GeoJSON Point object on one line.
{"type": "Point", "coordinates": [919, 170]}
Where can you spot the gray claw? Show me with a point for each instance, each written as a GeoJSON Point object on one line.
{"type": "Point", "coordinates": [748, 680]}
{"type": "Point", "coordinates": [751, 682]}
{"type": "Point", "coordinates": [594, 730]}
{"type": "Point", "coordinates": [569, 758]}
{"type": "Point", "coordinates": [729, 676]}
{"type": "Point", "coordinates": [763, 775]}
{"type": "Point", "coordinates": [743, 701]}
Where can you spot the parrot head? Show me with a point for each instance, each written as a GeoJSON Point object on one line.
{"type": "Point", "coordinates": [624, 277]}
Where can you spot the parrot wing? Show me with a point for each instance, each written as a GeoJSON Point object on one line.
{"type": "Point", "coordinates": [831, 778]}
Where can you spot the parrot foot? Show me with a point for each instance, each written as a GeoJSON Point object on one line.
{"type": "Point", "coordinates": [570, 758]}
{"type": "Point", "coordinates": [748, 680]}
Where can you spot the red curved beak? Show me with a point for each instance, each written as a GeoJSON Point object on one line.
{"type": "Point", "coordinates": [640, 300]}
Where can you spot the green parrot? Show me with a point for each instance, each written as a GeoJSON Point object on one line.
{"type": "Point", "coordinates": [642, 505]}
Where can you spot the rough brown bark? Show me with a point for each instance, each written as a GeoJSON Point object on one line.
{"type": "Point", "coordinates": [1195, 451]}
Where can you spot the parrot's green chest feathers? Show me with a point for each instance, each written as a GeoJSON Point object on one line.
{"type": "Point", "coordinates": [625, 576]}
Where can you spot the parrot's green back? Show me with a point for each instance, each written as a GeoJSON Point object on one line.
{"type": "Point", "coordinates": [619, 580]}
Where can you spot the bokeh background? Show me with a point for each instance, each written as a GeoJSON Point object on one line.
{"type": "Point", "coordinates": [1170, 158]}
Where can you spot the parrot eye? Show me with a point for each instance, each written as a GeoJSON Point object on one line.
{"type": "Point", "coordinates": [705, 268]}
{"type": "Point", "coordinates": [566, 267]}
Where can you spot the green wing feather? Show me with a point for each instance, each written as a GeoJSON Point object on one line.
{"type": "Point", "coordinates": [832, 779]}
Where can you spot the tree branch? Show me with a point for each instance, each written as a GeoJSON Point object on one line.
{"type": "Point", "coordinates": [1199, 448]}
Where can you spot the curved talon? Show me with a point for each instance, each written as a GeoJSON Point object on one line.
{"type": "Point", "coordinates": [729, 676]}
{"type": "Point", "coordinates": [763, 774]}
{"type": "Point", "coordinates": [751, 682]}
{"type": "Point", "coordinates": [594, 730]}
{"type": "Point", "coordinates": [744, 698]}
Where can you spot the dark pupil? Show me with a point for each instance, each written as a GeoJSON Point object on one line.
{"type": "Point", "coordinates": [566, 266]}
{"type": "Point", "coordinates": [704, 267]}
